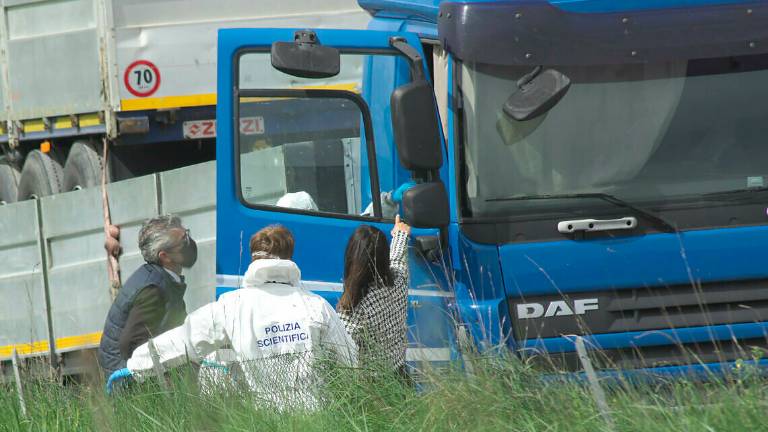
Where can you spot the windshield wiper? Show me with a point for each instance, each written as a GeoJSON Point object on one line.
{"type": "Point", "coordinates": [734, 193]}
{"type": "Point", "coordinates": [648, 215]}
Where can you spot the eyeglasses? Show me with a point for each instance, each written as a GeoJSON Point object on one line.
{"type": "Point", "coordinates": [184, 241]}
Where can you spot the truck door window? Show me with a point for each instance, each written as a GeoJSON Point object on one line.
{"type": "Point", "coordinates": [303, 146]}
{"type": "Point", "coordinates": [301, 153]}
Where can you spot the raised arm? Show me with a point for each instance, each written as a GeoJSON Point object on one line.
{"type": "Point", "coordinates": [202, 333]}
{"type": "Point", "coordinates": [398, 253]}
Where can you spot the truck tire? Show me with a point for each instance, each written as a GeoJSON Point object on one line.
{"type": "Point", "coordinates": [42, 175]}
{"type": "Point", "coordinates": [9, 183]}
{"type": "Point", "coordinates": [83, 167]}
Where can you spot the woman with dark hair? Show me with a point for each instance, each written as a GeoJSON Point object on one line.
{"type": "Point", "coordinates": [374, 305]}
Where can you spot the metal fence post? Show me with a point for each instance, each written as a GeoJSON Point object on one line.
{"type": "Point", "coordinates": [19, 387]}
{"type": "Point", "coordinates": [594, 385]}
{"type": "Point", "coordinates": [44, 269]}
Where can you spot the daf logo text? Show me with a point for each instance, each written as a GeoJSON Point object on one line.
{"type": "Point", "coordinates": [556, 308]}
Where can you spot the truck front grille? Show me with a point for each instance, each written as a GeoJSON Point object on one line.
{"type": "Point", "coordinates": [643, 308]}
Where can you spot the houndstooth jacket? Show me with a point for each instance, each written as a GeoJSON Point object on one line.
{"type": "Point", "coordinates": [378, 323]}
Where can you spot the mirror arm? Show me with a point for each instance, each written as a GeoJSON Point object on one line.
{"type": "Point", "coordinates": [529, 77]}
{"type": "Point", "coordinates": [413, 56]}
{"type": "Point", "coordinates": [429, 246]}
{"type": "Point", "coordinates": [305, 37]}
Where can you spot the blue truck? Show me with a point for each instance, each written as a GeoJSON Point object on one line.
{"type": "Point", "coordinates": [591, 168]}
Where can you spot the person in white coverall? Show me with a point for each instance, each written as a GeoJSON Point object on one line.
{"type": "Point", "coordinates": [278, 331]}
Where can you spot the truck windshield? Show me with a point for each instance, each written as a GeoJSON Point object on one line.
{"type": "Point", "coordinates": [652, 134]}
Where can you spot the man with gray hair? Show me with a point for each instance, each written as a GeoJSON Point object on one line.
{"type": "Point", "coordinates": [152, 299]}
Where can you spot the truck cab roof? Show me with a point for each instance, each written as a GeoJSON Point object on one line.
{"type": "Point", "coordinates": [584, 32]}
{"type": "Point", "coordinates": [428, 10]}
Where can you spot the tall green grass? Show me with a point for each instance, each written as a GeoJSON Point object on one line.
{"type": "Point", "coordinates": [501, 394]}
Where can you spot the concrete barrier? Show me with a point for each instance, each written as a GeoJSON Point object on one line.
{"type": "Point", "coordinates": [67, 230]}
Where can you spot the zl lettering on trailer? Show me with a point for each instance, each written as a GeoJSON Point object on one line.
{"type": "Point", "coordinates": [197, 129]}
{"type": "Point", "coordinates": [252, 125]}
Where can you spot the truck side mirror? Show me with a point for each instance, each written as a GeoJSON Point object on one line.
{"type": "Point", "coordinates": [415, 126]}
{"type": "Point", "coordinates": [305, 57]}
{"type": "Point", "coordinates": [425, 205]}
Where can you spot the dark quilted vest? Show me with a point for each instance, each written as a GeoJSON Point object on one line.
{"type": "Point", "coordinates": [146, 275]}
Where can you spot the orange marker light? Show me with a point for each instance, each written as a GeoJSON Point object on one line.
{"type": "Point", "coordinates": [45, 146]}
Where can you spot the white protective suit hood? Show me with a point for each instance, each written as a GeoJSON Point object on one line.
{"type": "Point", "coordinates": [264, 271]}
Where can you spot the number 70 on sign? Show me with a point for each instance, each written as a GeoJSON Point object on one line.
{"type": "Point", "coordinates": [207, 128]}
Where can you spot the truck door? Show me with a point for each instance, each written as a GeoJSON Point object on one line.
{"type": "Point", "coordinates": [314, 155]}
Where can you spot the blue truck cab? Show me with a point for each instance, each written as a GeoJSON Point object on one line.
{"type": "Point", "coordinates": [591, 168]}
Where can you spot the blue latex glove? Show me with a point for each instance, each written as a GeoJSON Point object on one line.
{"type": "Point", "coordinates": [397, 195]}
{"type": "Point", "coordinates": [118, 376]}
{"type": "Point", "coordinates": [215, 365]}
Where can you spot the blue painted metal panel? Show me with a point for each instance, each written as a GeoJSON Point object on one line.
{"type": "Point", "coordinates": [480, 294]}
{"type": "Point", "coordinates": [403, 9]}
{"type": "Point", "coordinates": [424, 29]}
{"type": "Point", "coordinates": [635, 261]}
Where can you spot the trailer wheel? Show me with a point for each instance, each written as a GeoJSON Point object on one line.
{"type": "Point", "coordinates": [42, 175]}
{"type": "Point", "coordinates": [83, 167]}
{"type": "Point", "coordinates": [9, 182]}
